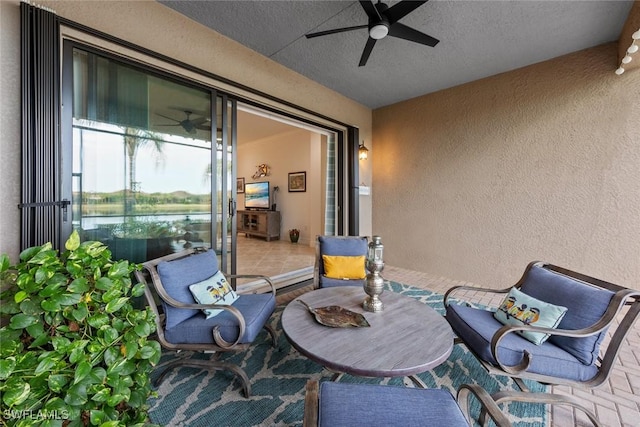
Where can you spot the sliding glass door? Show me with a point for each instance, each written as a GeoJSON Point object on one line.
{"type": "Point", "coordinates": [150, 174]}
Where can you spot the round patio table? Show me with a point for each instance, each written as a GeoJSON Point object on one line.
{"type": "Point", "coordinates": [406, 338]}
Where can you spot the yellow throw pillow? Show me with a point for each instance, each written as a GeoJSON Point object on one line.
{"type": "Point", "coordinates": [344, 267]}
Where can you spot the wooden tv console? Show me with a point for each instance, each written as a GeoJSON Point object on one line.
{"type": "Point", "coordinates": [260, 223]}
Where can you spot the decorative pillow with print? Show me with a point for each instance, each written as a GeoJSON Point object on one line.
{"type": "Point", "coordinates": [519, 308]}
{"type": "Point", "coordinates": [214, 290]}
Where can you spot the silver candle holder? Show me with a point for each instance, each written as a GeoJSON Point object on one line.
{"type": "Point", "coordinates": [374, 283]}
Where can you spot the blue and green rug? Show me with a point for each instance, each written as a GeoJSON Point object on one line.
{"type": "Point", "coordinates": [188, 397]}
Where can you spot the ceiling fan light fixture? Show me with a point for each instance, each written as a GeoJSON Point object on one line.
{"type": "Point", "coordinates": [379, 31]}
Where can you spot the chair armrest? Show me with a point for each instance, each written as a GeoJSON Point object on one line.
{"type": "Point", "coordinates": [489, 406]}
{"type": "Point", "coordinates": [311, 404]}
{"type": "Point", "coordinates": [451, 291]}
{"type": "Point", "coordinates": [272, 287]}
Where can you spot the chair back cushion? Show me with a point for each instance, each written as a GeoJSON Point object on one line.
{"type": "Point", "coordinates": [585, 306]}
{"type": "Point", "coordinates": [340, 245]}
{"type": "Point", "coordinates": [177, 275]}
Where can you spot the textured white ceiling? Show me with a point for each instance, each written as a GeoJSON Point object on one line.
{"type": "Point", "coordinates": [478, 38]}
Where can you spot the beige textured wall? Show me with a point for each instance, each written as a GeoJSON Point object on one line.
{"type": "Point", "coordinates": [541, 163]}
{"type": "Point", "coordinates": [158, 28]}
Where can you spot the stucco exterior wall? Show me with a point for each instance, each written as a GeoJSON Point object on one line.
{"type": "Point", "coordinates": [541, 163]}
{"type": "Point", "coordinates": [162, 30]}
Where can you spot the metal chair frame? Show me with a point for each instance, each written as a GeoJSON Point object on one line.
{"type": "Point", "coordinates": [624, 299]}
{"type": "Point", "coordinates": [154, 290]}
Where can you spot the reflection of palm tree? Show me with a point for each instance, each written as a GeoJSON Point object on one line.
{"type": "Point", "coordinates": [134, 139]}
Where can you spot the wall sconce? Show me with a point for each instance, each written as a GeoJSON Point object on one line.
{"type": "Point", "coordinates": [632, 49]}
{"type": "Point", "coordinates": [363, 152]}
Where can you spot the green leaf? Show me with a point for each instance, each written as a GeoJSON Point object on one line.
{"type": "Point", "coordinates": [110, 356]}
{"type": "Point", "coordinates": [79, 286]}
{"type": "Point", "coordinates": [142, 329]}
{"type": "Point", "coordinates": [151, 351]}
{"type": "Point", "coordinates": [43, 274]}
{"type": "Point", "coordinates": [80, 312]}
{"type": "Point", "coordinates": [73, 242]}
{"type": "Point", "coordinates": [67, 299]}
{"type": "Point", "coordinates": [60, 344]}
{"type": "Point", "coordinates": [50, 289]}
{"type": "Point", "coordinates": [40, 340]}
{"type": "Point", "coordinates": [115, 399]}
{"type": "Point", "coordinates": [20, 296]}
{"type": "Point", "coordinates": [111, 423]}
{"type": "Point", "coordinates": [30, 307]}
{"type": "Point", "coordinates": [6, 367]}
{"type": "Point", "coordinates": [57, 381]}
{"type": "Point", "coordinates": [109, 334]}
{"type": "Point", "coordinates": [45, 365]}
{"type": "Point", "coordinates": [102, 395]}
{"type": "Point", "coordinates": [104, 284]}
{"type": "Point", "coordinates": [115, 305]}
{"type": "Point", "coordinates": [15, 392]}
{"type": "Point", "coordinates": [119, 269]}
{"type": "Point", "coordinates": [82, 371]}
{"type": "Point", "coordinates": [5, 263]}
{"type": "Point", "coordinates": [50, 305]}
{"type": "Point", "coordinates": [77, 395]}
{"type": "Point", "coordinates": [21, 321]}
{"type": "Point", "coordinates": [130, 349]}
{"type": "Point", "coordinates": [98, 320]}
{"type": "Point", "coordinates": [138, 290]}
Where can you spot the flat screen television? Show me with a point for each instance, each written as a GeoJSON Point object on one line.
{"type": "Point", "coordinates": [256, 195]}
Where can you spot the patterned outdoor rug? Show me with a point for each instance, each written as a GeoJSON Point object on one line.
{"type": "Point", "coordinates": [188, 397]}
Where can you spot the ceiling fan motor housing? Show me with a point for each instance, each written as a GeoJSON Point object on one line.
{"type": "Point", "coordinates": [379, 29]}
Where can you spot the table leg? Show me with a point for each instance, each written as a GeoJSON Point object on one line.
{"type": "Point", "coordinates": [417, 381]}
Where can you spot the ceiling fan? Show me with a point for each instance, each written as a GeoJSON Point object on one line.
{"type": "Point", "coordinates": [383, 21]}
{"type": "Point", "coordinates": [191, 126]}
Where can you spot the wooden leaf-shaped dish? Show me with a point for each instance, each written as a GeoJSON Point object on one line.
{"type": "Point", "coordinates": [337, 317]}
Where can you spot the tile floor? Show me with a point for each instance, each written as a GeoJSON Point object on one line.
{"type": "Point", "coordinates": [616, 403]}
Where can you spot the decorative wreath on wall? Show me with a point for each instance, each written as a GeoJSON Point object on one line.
{"type": "Point", "coordinates": [263, 170]}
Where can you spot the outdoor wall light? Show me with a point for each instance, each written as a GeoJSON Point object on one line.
{"type": "Point", "coordinates": [633, 48]}
{"type": "Point", "coordinates": [363, 152]}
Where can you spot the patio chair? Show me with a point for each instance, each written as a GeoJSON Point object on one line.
{"type": "Point", "coordinates": [571, 350]}
{"type": "Point", "coordinates": [338, 270]}
{"type": "Point", "coordinates": [175, 284]}
{"type": "Point", "coordinates": [330, 404]}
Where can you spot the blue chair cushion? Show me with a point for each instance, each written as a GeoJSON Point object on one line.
{"type": "Point", "coordinates": [255, 308]}
{"type": "Point", "coordinates": [585, 306]}
{"type": "Point", "coordinates": [476, 327]}
{"type": "Point", "coordinates": [344, 404]}
{"type": "Point", "coordinates": [176, 276]}
{"type": "Point", "coordinates": [331, 245]}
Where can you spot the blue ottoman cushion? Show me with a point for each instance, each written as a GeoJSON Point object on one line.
{"type": "Point", "coordinates": [371, 405]}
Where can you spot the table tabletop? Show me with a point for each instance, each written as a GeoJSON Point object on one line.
{"type": "Point", "coordinates": [406, 338]}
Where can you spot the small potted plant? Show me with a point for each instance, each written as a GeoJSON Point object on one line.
{"type": "Point", "coordinates": [294, 235]}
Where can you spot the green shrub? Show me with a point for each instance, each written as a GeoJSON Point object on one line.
{"type": "Point", "coordinates": [74, 351]}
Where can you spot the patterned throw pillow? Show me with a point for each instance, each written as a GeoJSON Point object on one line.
{"type": "Point", "coordinates": [344, 267]}
{"type": "Point", "coordinates": [519, 308]}
{"type": "Point", "coordinates": [214, 290]}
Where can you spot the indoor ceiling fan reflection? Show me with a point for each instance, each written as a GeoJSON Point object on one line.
{"type": "Point", "coordinates": [191, 126]}
{"type": "Point", "coordinates": [383, 21]}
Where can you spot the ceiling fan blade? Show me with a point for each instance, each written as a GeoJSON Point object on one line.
{"type": "Point", "coordinates": [370, 10]}
{"type": "Point", "coordinates": [337, 30]}
{"type": "Point", "coordinates": [176, 124]}
{"type": "Point", "coordinates": [401, 31]}
{"type": "Point", "coordinates": [367, 51]}
{"type": "Point", "coordinates": [402, 9]}
{"type": "Point", "coordinates": [199, 121]}
{"type": "Point", "coordinates": [167, 117]}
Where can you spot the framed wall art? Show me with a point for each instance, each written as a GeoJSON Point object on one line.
{"type": "Point", "coordinates": [240, 185]}
{"type": "Point", "coordinates": [297, 182]}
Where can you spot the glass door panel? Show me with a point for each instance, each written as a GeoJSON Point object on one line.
{"type": "Point", "coordinates": [142, 156]}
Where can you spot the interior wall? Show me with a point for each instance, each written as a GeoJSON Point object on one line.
{"type": "Point", "coordinates": [151, 25]}
{"type": "Point", "coordinates": [541, 163]}
{"type": "Point", "coordinates": [296, 151]}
